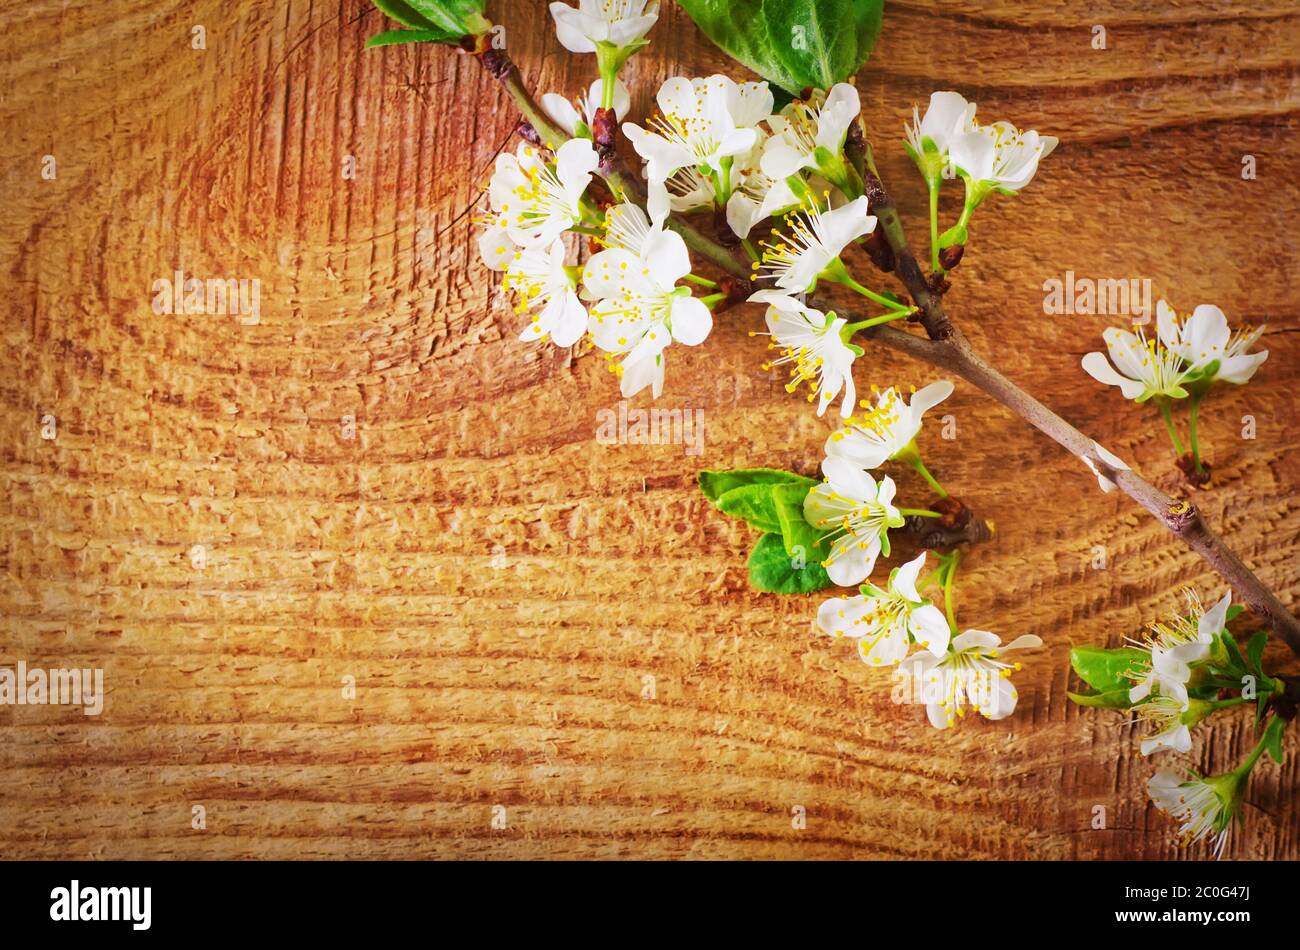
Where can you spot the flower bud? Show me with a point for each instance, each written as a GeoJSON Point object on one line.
{"type": "Point", "coordinates": [950, 257]}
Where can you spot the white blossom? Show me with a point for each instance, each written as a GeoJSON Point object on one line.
{"type": "Point", "coordinates": [857, 513]}
{"type": "Point", "coordinates": [619, 23]}
{"type": "Point", "coordinates": [1204, 338]}
{"type": "Point", "coordinates": [887, 429]}
{"type": "Point", "coordinates": [886, 622]}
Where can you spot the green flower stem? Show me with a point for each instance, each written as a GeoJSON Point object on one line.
{"type": "Point", "coordinates": [1191, 431]}
{"type": "Point", "coordinates": [837, 273]}
{"type": "Point", "coordinates": [934, 227]}
{"type": "Point", "coordinates": [1243, 770]}
{"type": "Point", "coordinates": [853, 328]}
{"type": "Point", "coordinates": [1170, 428]}
{"type": "Point", "coordinates": [722, 184]}
{"type": "Point", "coordinates": [919, 513]}
{"type": "Point", "coordinates": [752, 251]}
{"type": "Point", "coordinates": [584, 229]}
{"type": "Point", "coordinates": [947, 589]}
{"type": "Point", "coordinates": [934, 577]}
{"type": "Point", "coordinates": [1225, 703]}
{"type": "Point", "coordinates": [712, 300]}
{"type": "Point", "coordinates": [915, 461]}
{"type": "Point", "coordinates": [702, 281]}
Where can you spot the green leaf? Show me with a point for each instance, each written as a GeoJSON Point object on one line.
{"type": "Point", "coordinates": [754, 505]}
{"type": "Point", "coordinates": [1104, 670]}
{"type": "Point", "coordinates": [394, 37]}
{"type": "Point", "coordinates": [792, 44]}
{"type": "Point", "coordinates": [462, 17]}
{"type": "Point", "coordinates": [1234, 652]}
{"type": "Point", "coordinates": [405, 14]}
{"type": "Point", "coordinates": [1111, 699]}
{"type": "Point", "coordinates": [774, 571]}
{"type": "Point", "coordinates": [799, 536]}
{"type": "Point", "coordinates": [716, 484]}
{"type": "Point", "coordinates": [1234, 611]}
{"type": "Point", "coordinates": [1255, 651]}
{"type": "Point", "coordinates": [1272, 738]}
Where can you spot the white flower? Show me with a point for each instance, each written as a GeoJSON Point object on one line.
{"type": "Point", "coordinates": [1204, 338]}
{"type": "Point", "coordinates": [886, 623]}
{"type": "Point", "coordinates": [619, 23]}
{"type": "Point", "coordinates": [1114, 461]}
{"type": "Point", "coordinates": [688, 190]}
{"type": "Point", "coordinates": [999, 157]}
{"type": "Point", "coordinates": [757, 196]}
{"type": "Point", "coordinates": [535, 202]}
{"type": "Point", "coordinates": [495, 245]}
{"type": "Point", "coordinates": [810, 134]}
{"type": "Point", "coordinates": [858, 514]}
{"type": "Point", "coordinates": [567, 116]}
{"type": "Point", "coordinates": [928, 140]}
{"type": "Point", "coordinates": [1165, 715]}
{"type": "Point", "coordinates": [1205, 806]}
{"type": "Point", "coordinates": [1175, 645]}
{"type": "Point", "coordinates": [701, 122]}
{"type": "Point", "coordinates": [540, 280]}
{"type": "Point", "coordinates": [970, 673]}
{"type": "Point", "coordinates": [888, 429]}
{"type": "Point", "coordinates": [812, 342]}
{"type": "Point", "coordinates": [817, 238]}
{"type": "Point", "coordinates": [1146, 367]}
{"type": "Point", "coordinates": [639, 310]}
{"type": "Point", "coordinates": [630, 228]}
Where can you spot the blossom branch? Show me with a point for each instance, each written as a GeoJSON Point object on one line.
{"type": "Point", "coordinates": [949, 348]}
{"type": "Point", "coordinates": [945, 347]}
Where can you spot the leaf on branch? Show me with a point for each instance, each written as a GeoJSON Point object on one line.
{"type": "Point", "coordinates": [1255, 652]}
{"type": "Point", "coordinates": [1272, 738]}
{"type": "Point", "coordinates": [431, 21]}
{"type": "Point", "coordinates": [394, 37]}
{"type": "Point", "coordinates": [1107, 671]}
{"type": "Point", "coordinates": [716, 484]}
{"type": "Point", "coordinates": [793, 45]}
{"type": "Point", "coordinates": [774, 571]}
{"type": "Point", "coordinates": [753, 504]}
{"type": "Point", "coordinates": [801, 538]}
{"type": "Point", "coordinates": [1111, 699]}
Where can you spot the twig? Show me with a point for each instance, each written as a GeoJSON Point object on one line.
{"type": "Point", "coordinates": [949, 348]}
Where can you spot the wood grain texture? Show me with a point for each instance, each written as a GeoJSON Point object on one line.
{"type": "Point", "coordinates": [499, 583]}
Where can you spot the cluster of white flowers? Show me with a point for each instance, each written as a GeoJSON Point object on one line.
{"type": "Point", "coordinates": [717, 144]}
{"type": "Point", "coordinates": [626, 297]}
{"type": "Point", "coordinates": [1172, 649]}
{"type": "Point", "coordinates": [533, 200]}
{"type": "Point", "coordinates": [1197, 348]}
{"type": "Point", "coordinates": [951, 671]}
{"type": "Point", "coordinates": [997, 157]}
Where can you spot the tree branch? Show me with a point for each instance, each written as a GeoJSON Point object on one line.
{"type": "Point", "coordinates": [947, 347]}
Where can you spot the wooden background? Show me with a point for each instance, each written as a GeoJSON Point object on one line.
{"type": "Point", "coordinates": [497, 582]}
